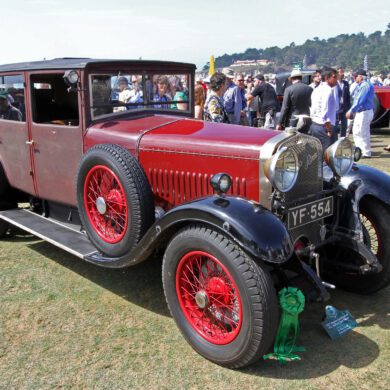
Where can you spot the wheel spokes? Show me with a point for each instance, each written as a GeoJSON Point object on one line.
{"type": "Point", "coordinates": [374, 242]}
{"type": "Point", "coordinates": [209, 298]}
{"type": "Point", "coordinates": [106, 204]}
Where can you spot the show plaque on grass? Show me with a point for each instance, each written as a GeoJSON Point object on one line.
{"type": "Point", "coordinates": [338, 323]}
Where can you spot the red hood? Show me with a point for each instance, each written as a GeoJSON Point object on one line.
{"type": "Point", "coordinates": [206, 138]}
{"type": "Point", "coordinates": [124, 131]}
{"type": "Point", "coordinates": [169, 133]}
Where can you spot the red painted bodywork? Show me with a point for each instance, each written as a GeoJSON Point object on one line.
{"type": "Point", "coordinates": [383, 94]}
{"type": "Point", "coordinates": [180, 155]}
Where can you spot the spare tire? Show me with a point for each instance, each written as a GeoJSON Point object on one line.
{"type": "Point", "coordinates": [114, 199]}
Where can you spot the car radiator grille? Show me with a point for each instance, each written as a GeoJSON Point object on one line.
{"type": "Point", "coordinates": [175, 187]}
{"type": "Point", "coordinates": [309, 182]}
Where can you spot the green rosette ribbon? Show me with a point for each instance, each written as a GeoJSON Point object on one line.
{"type": "Point", "coordinates": [292, 302]}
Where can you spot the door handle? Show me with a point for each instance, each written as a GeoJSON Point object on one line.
{"type": "Point", "coordinates": [30, 142]}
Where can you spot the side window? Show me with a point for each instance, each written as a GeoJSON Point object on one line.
{"type": "Point", "coordinates": [12, 104]}
{"type": "Point", "coordinates": [52, 102]}
{"type": "Point", "coordinates": [116, 92]}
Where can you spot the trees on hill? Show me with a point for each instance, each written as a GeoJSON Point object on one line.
{"type": "Point", "coordinates": [347, 50]}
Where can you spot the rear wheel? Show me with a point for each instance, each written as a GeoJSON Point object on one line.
{"type": "Point", "coordinates": [223, 302]}
{"type": "Point", "coordinates": [4, 189]}
{"type": "Point", "coordinates": [4, 186]}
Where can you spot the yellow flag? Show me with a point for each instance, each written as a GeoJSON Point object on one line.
{"type": "Point", "coordinates": [211, 69]}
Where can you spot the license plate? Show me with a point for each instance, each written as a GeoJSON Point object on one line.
{"type": "Point", "coordinates": [310, 212]}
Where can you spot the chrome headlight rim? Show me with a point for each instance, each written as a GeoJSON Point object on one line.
{"type": "Point", "coordinates": [331, 156]}
{"type": "Point", "coordinates": [272, 169]}
{"type": "Point", "coordinates": [71, 77]}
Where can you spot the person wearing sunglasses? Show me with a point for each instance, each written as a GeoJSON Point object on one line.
{"type": "Point", "coordinates": [240, 82]}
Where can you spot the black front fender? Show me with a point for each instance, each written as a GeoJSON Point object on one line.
{"type": "Point", "coordinates": [364, 180]}
{"type": "Point", "coordinates": [254, 228]}
{"type": "Point", "coordinates": [360, 182]}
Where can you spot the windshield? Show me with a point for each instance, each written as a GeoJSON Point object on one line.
{"type": "Point", "coordinates": [122, 91]}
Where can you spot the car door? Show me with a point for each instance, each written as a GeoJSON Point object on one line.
{"type": "Point", "coordinates": [15, 153]}
{"type": "Point", "coordinates": [56, 136]}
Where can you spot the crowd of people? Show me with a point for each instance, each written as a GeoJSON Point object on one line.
{"type": "Point", "coordinates": [328, 108]}
{"type": "Point", "coordinates": [331, 106]}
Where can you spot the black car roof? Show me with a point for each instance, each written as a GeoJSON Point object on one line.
{"type": "Point", "coordinates": [81, 63]}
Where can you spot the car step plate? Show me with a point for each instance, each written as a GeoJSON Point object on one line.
{"type": "Point", "coordinates": [57, 234]}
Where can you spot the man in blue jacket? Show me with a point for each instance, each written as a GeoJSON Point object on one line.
{"type": "Point", "coordinates": [232, 99]}
{"type": "Point", "coordinates": [363, 111]}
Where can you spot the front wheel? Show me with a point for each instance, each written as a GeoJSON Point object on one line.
{"type": "Point", "coordinates": [375, 218]}
{"type": "Point", "coordinates": [223, 302]}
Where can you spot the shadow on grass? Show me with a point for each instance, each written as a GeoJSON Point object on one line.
{"type": "Point", "coordinates": [324, 355]}
{"type": "Point", "coordinates": [140, 284]}
{"type": "Point", "coordinates": [381, 131]}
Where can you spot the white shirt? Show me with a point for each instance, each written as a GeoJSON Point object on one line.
{"type": "Point", "coordinates": [324, 104]}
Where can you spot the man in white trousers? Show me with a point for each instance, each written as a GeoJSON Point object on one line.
{"type": "Point", "coordinates": [362, 110]}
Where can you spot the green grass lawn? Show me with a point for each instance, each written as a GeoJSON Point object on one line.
{"type": "Point", "coordinates": [67, 324]}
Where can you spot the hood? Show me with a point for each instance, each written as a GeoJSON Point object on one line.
{"type": "Point", "coordinates": [207, 138]}
{"type": "Point", "coordinates": [124, 131]}
{"type": "Point", "coordinates": [175, 134]}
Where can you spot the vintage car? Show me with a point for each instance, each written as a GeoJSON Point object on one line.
{"type": "Point", "coordinates": [381, 97]}
{"type": "Point", "coordinates": [239, 213]}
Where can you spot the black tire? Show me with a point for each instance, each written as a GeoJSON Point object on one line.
{"type": "Point", "coordinates": [4, 227]}
{"type": "Point", "coordinates": [127, 182]}
{"type": "Point", "coordinates": [4, 189]}
{"type": "Point", "coordinates": [250, 289]}
{"type": "Point", "coordinates": [375, 217]}
{"type": "Point", "coordinates": [4, 186]}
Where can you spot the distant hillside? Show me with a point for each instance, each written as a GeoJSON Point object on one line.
{"type": "Point", "coordinates": [345, 50]}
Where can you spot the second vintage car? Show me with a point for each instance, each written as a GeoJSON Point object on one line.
{"type": "Point", "coordinates": [104, 159]}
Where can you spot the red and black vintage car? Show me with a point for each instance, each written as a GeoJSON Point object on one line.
{"type": "Point", "coordinates": [106, 162]}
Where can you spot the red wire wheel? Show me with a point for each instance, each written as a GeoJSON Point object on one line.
{"type": "Point", "coordinates": [374, 238]}
{"type": "Point", "coordinates": [208, 297]}
{"type": "Point", "coordinates": [106, 204]}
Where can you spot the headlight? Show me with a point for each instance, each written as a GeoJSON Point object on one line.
{"type": "Point", "coordinates": [282, 169]}
{"type": "Point", "coordinates": [339, 156]}
{"type": "Point", "coordinates": [71, 77]}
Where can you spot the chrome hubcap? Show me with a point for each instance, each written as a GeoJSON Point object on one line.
{"type": "Point", "coordinates": [101, 205]}
{"type": "Point", "coordinates": [202, 299]}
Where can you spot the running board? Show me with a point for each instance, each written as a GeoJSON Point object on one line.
{"type": "Point", "coordinates": [57, 234]}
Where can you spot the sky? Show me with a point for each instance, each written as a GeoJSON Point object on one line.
{"type": "Point", "coordinates": [175, 30]}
